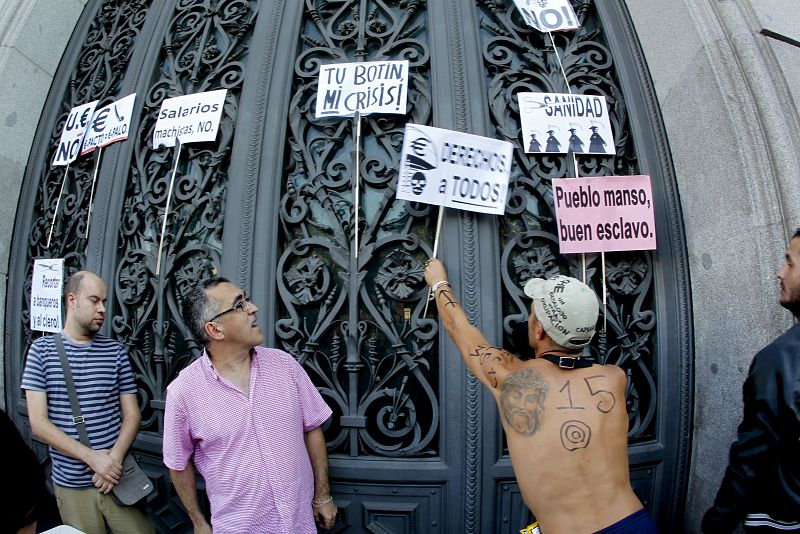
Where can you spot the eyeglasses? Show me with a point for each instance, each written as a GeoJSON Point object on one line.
{"type": "Point", "coordinates": [238, 306]}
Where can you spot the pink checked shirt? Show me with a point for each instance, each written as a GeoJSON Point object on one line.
{"type": "Point", "coordinates": [249, 450]}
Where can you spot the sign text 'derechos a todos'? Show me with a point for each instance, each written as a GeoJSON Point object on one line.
{"type": "Point", "coordinates": [454, 169]}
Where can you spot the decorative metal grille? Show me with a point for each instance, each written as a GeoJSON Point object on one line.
{"type": "Point", "coordinates": [101, 65]}
{"type": "Point", "coordinates": [353, 317]}
{"type": "Point", "coordinates": [518, 58]}
{"type": "Point", "coordinates": [204, 49]}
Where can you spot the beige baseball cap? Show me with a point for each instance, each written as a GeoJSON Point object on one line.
{"type": "Point", "coordinates": [566, 308]}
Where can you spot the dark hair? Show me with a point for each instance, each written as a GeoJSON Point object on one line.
{"type": "Point", "coordinates": [198, 308]}
{"type": "Point", "coordinates": [796, 234]}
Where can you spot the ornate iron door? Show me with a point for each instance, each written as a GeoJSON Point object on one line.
{"type": "Point", "coordinates": [415, 443]}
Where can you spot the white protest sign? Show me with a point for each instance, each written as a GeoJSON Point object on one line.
{"type": "Point", "coordinates": [561, 123]}
{"type": "Point", "coordinates": [72, 135]}
{"type": "Point", "coordinates": [46, 285]}
{"type": "Point", "coordinates": [189, 119]}
{"type": "Point", "coordinates": [604, 214]}
{"type": "Point", "coordinates": [454, 169]}
{"type": "Point", "coordinates": [368, 87]}
{"type": "Point", "coordinates": [109, 124]}
{"type": "Point", "coordinates": [548, 15]}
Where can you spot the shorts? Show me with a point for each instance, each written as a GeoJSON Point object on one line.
{"type": "Point", "coordinates": [636, 523]}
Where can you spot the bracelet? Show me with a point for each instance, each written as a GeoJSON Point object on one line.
{"type": "Point", "coordinates": [436, 286]}
{"type": "Point", "coordinates": [319, 504]}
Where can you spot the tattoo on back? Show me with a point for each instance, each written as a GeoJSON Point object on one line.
{"type": "Point", "coordinates": [522, 401]}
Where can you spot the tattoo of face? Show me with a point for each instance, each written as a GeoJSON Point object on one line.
{"type": "Point", "coordinates": [575, 435]}
{"type": "Point", "coordinates": [448, 296]}
{"type": "Point", "coordinates": [522, 401]}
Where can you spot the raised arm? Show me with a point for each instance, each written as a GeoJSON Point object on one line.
{"type": "Point", "coordinates": [489, 364]}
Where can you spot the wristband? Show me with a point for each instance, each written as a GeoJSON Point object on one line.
{"type": "Point", "coordinates": [436, 286]}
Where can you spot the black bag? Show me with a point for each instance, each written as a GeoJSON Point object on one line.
{"type": "Point", "coordinates": [134, 485]}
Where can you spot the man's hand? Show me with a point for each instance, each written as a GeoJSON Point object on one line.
{"type": "Point", "coordinates": [434, 271]}
{"type": "Point", "coordinates": [102, 485]}
{"type": "Point", "coordinates": [325, 515]}
{"type": "Point", "coordinates": [105, 466]}
{"type": "Point", "coordinates": [202, 528]}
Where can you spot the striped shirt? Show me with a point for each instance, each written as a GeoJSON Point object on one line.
{"type": "Point", "coordinates": [250, 450]}
{"type": "Point", "coordinates": [101, 372]}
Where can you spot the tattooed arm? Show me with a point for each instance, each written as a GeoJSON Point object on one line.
{"type": "Point", "coordinates": [489, 364]}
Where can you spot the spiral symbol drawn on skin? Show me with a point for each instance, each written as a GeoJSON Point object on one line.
{"type": "Point", "coordinates": [575, 435]}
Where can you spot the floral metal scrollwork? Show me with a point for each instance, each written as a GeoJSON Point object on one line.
{"type": "Point", "coordinates": [353, 316]}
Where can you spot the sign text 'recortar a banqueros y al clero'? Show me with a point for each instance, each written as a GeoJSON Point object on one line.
{"type": "Point", "coordinates": [454, 169]}
{"type": "Point", "coordinates": [46, 283]}
{"type": "Point", "coordinates": [189, 119]}
{"type": "Point", "coordinates": [604, 214]}
{"type": "Point", "coordinates": [368, 87]}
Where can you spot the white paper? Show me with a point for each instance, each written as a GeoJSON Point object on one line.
{"type": "Point", "coordinates": [69, 146]}
{"type": "Point", "coordinates": [109, 124]}
{"type": "Point", "coordinates": [367, 87]}
{"type": "Point", "coordinates": [46, 285]}
{"type": "Point", "coordinates": [561, 123]}
{"type": "Point", "coordinates": [454, 169]}
{"type": "Point", "coordinates": [189, 119]}
{"type": "Point", "coordinates": [548, 15]}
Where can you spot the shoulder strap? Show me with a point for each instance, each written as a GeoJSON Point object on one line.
{"type": "Point", "coordinates": [77, 418]}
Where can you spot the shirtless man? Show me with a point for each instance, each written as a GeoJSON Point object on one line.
{"type": "Point", "coordinates": [564, 417]}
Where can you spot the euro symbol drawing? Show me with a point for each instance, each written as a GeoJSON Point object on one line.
{"type": "Point", "coordinates": [418, 145]}
{"type": "Point", "coordinates": [84, 118]}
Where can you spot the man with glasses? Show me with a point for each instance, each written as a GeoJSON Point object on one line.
{"type": "Point", "coordinates": [248, 419]}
